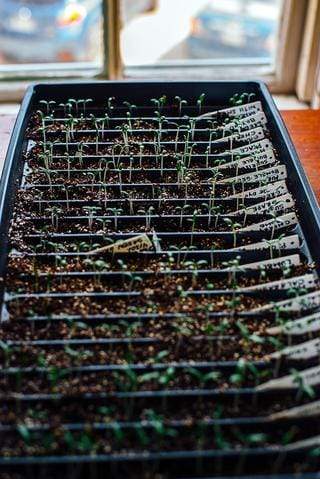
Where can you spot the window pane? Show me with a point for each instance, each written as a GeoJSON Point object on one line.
{"type": "Point", "coordinates": [198, 30]}
{"type": "Point", "coordinates": [50, 31]}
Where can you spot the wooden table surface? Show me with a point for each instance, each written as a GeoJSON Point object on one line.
{"type": "Point", "coordinates": [303, 125]}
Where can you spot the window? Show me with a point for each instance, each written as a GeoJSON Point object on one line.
{"type": "Point", "coordinates": [203, 32]}
{"type": "Point", "coordinates": [50, 34]}
{"type": "Point", "coordinates": [211, 39]}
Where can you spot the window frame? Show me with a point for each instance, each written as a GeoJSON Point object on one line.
{"type": "Point", "coordinates": [281, 80]}
{"type": "Point", "coordinates": [307, 82]}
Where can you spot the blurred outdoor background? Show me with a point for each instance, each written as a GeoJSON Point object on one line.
{"type": "Point", "coordinates": [153, 32]}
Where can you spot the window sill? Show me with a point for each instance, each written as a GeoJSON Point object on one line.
{"type": "Point", "coordinates": [12, 92]}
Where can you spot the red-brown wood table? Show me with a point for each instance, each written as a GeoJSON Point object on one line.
{"type": "Point", "coordinates": [303, 125]}
{"type": "Point", "coordinates": [304, 128]}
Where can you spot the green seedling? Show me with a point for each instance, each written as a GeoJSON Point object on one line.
{"type": "Point", "coordinates": [200, 102]}
{"type": "Point", "coordinates": [304, 389]}
{"type": "Point", "coordinates": [181, 103]}
{"type": "Point", "coordinates": [234, 226]}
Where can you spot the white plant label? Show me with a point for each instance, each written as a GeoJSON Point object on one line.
{"type": "Point", "coordinates": [242, 110]}
{"type": "Point", "coordinates": [306, 410]}
{"type": "Point", "coordinates": [255, 134]}
{"type": "Point", "coordinates": [248, 122]}
{"type": "Point", "coordinates": [131, 245]}
{"type": "Point", "coordinates": [26, 171]}
{"type": "Point", "coordinates": [286, 261]}
{"type": "Point", "coordinates": [248, 135]}
{"type": "Point", "coordinates": [308, 443]}
{"type": "Point", "coordinates": [306, 281]}
{"type": "Point", "coordinates": [31, 144]}
{"type": "Point", "coordinates": [257, 147]}
{"type": "Point", "coordinates": [283, 221]}
{"type": "Point", "coordinates": [289, 242]}
{"type": "Point", "coordinates": [292, 260]}
{"type": "Point", "coordinates": [282, 203]}
{"type": "Point", "coordinates": [305, 325]}
{"type": "Point", "coordinates": [306, 350]}
{"type": "Point", "coordinates": [301, 303]}
{"type": "Point", "coordinates": [5, 316]}
{"type": "Point", "coordinates": [250, 162]}
{"type": "Point", "coordinates": [310, 377]}
{"type": "Point", "coordinates": [236, 127]}
{"type": "Point", "coordinates": [275, 173]}
{"type": "Point", "coordinates": [268, 191]}
{"type": "Point", "coordinates": [156, 242]}
{"type": "Point", "coordinates": [254, 121]}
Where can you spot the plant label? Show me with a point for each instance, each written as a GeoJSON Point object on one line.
{"type": "Point", "coordinates": [256, 147]}
{"type": "Point", "coordinates": [306, 325]}
{"type": "Point", "coordinates": [247, 123]}
{"type": "Point", "coordinates": [248, 135]}
{"type": "Point", "coordinates": [30, 145]}
{"type": "Point", "coordinates": [253, 121]}
{"type": "Point", "coordinates": [289, 242]}
{"type": "Point", "coordinates": [282, 203]}
{"type": "Point", "coordinates": [291, 260]}
{"type": "Point", "coordinates": [248, 109]}
{"type": "Point", "coordinates": [301, 303]}
{"type": "Point", "coordinates": [307, 281]}
{"type": "Point", "coordinates": [309, 377]}
{"type": "Point", "coordinates": [242, 110]}
{"type": "Point", "coordinates": [268, 191]}
{"type": "Point", "coordinates": [306, 410]}
{"type": "Point", "coordinates": [284, 221]}
{"type": "Point", "coordinates": [255, 134]}
{"type": "Point", "coordinates": [250, 162]}
{"type": "Point", "coordinates": [309, 443]}
{"type": "Point", "coordinates": [131, 245]}
{"type": "Point", "coordinates": [275, 173]}
{"type": "Point", "coordinates": [306, 350]}
{"type": "Point", "coordinates": [156, 242]}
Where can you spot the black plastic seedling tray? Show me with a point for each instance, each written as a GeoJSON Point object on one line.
{"type": "Point", "coordinates": [299, 229]}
